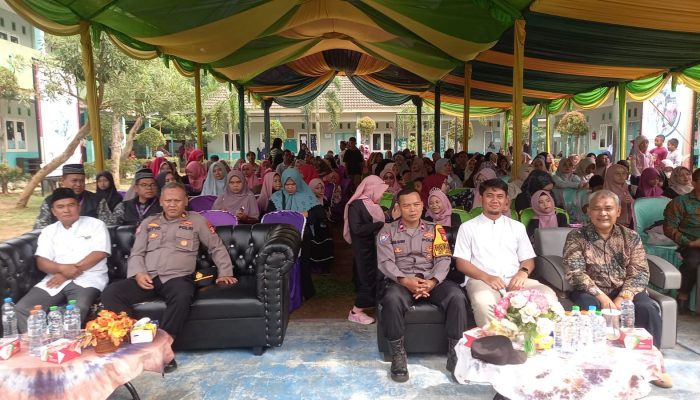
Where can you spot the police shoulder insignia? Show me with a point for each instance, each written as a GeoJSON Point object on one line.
{"type": "Point", "coordinates": [383, 237]}
{"type": "Point", "coordinates": [441, 248]}
{"type": "Point", "coordinates": [211, 229]}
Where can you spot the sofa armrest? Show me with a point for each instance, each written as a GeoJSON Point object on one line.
{"type": "Point", "coordinates": [662, 274]}
{"type": "Point", "coordinates": [551, 270]}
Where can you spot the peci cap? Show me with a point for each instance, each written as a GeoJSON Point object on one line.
{"type": "Point", "coordinates": [73, 169]}
{"type": "Point", "coordinates": [62, 193]}
{"type": "Point", "coordinates": [142, 174]}
{"type": "Point", "coordinates": [497, 350]}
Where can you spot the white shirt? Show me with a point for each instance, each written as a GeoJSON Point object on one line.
{"type": "Point", "coordinates": [495, 247]}
{"type": "Point", "coordinates": [675, 157]}
{"type": "Point", "coordinates": [69, 246]}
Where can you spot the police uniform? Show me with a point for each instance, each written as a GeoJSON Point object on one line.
{"type": "Point", "coordinates": [167, 251]}
{"type": "Point", "coordinates": [421, 252]}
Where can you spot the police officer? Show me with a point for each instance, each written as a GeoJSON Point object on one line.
{"type": "Point", "coordinates": [143, 205]}
{"type": "Point", "coordinates": [163, 260]}
{"type": "Point", "coordinates": [74, 179]}
{"type": "Point", "coordinates": [414, 256]}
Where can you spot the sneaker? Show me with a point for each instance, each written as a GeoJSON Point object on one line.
{"type": "Point", "coordinates": [360, 317]}
{"type": "Point", "coordinates": [170, 367]}
{"type": "Point", "coordinates": [664, 382]}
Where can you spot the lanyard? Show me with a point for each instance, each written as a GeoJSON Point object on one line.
{"type": "Point", "coordinates": [138, 209]}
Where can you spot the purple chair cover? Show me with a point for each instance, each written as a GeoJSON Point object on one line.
{"type": "Point", "coordinates": [298, 221]}
{"type": "Point", "coordinates": [121, 193]}
{"type": "Point", "coordinates": [328, 193]}
{"type": "Point", "coordinates": [217, 217]}
{"type": "Point", "coordinates": [202, 203]}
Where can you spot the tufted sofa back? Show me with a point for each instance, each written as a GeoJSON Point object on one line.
{"type": "Point", "coordinates": [18, 272]}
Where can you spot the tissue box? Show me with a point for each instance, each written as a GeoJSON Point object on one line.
{"type": "Point", "coordinates": [637, 338]}
{"type": "Point", "coordinates": [473, 334]}
{"type": "Point", "coordinates": [8, 347]}
{"type": "Point", "coordinates": [144, 331]}
{"type": "Point", "coordinates": [60, 351]}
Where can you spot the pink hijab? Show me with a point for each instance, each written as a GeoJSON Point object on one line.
{"type": "Point", "coordinates": [370, 191]}
{"type": "Point", "coordinates": [266, 191]}
{"type": "Point", "coordinates": [199, 174]}
{"type": "Point", "coordinates": [251, 180]}
{"type": "Point", "coordinates": [444, 217]}
{"type": "Point", "coordinates": [644, 187]}
{"type": "Point", "coordinates": [621, 191]}
{"type": "Point", "coordinates": [487, 173]}
{"type": "Point", "coordinates": [395, 188]}
{"type": "Point", "coordinates": [547, 220]}
{"type": "Point", "coordinates": [313, 184]}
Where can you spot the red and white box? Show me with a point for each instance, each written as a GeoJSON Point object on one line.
{"type": "Point", "coordinates": [473, 334]}
{"type": "Point", "coordinates": [637, 339]}
{"type": "Point", "coordinates": [60, 351]}
{"type": "Point", "coordinates": [9, 347]}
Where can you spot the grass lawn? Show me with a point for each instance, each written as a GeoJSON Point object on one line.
{"type": "Point", "coordinates": [16, 221]}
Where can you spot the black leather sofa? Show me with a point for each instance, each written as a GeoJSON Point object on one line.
{"type": "Point", "coordinates": [425, 322]}
{"type": "Point", "coordinates": [254, 313]}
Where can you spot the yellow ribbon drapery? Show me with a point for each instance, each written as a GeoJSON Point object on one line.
{"type": "Point", "coordinates": [466, 105]}
{"type": "Point", "coordinates": [91, 94]}
{"type": "Point", "coordinates": [518, 55]}
{"type": "Point", "coordinates": [622, 110]}
{"type": "Point", "coordinates": [198, 106]}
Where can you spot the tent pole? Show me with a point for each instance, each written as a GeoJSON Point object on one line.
{"type": "Point", "coordinates": [91, 94]}
{"type": "Point", "coordinates": [547, 134]}
{"type": "Point", "coordinates": [622, 120]}
{"type": "Point", "coordinates": [438, 123]}
{"type": "Point", "coordinates": [241, 119]}
{"type": "Point", "coordinates": [418, 102]}
{"type": "Point", "coordinates": [518, 50]}
{"type": "Point", "coordinates": [466, 104]}
{"type": "Point", "coordinates": [198, 107]}
{"type": "Point", "coordinates": [267, 103]}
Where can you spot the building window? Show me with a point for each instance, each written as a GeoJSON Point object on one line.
{"type": "Point", "coordinates": [606, 136]}
{"type": "Point", "coordinates": [29, 112]}
{"type": "Point", "coordinates": [231, 142]}
{"type": "Point", "coordinates": [303, 125]}
{"type": "Point", "coordinates": [14, 26]}
{"type": "Point", "coordinates": [24, 30]}
{"type": "Point", "coordinates": [629, 112]}
{"type": "Point", "coordinates": [313, 145]}
{"type": "Point", "coordinates": [381, 141]}
{"type": "Point", "coordinates": [16, 136]}
{"type": "Point", "coordinates": [376, 125]}
{"type": "Point", "coordinates": [14, 39]}
{"type": "Point", "coordinates": [635, 111]}
{"type": "Point", "coordinates": [19, 111]}
{"type": "Point", "coordinates": [603, 116]}
{"type": "Point", "coordinates": [2, 22]}
{"type": "Point", "coordinates": [387, 125]}
{"type": "Point", "coordinates": [3, 35]}
{"type": "Point", "coordinates": [313, 125]}
{"type": "Point", "coordinates": [349, 125]}
{"type": "Point", "coordinates": [340, 125]}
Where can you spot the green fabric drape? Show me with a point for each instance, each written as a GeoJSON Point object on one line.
{"type": "Point", "coordinates": [379, 94]}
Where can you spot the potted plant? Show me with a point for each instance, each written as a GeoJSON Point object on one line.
{"type": "Point", "coordinates": [107, 331]}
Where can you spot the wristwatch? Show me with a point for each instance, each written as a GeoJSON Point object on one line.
{"type": "Point", "coordinates": [525, 270]}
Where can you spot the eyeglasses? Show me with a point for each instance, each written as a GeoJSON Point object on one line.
{"type": "Point", "coordinates": [147, 185]}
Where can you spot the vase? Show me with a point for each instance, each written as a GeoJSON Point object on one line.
{"type": "Point", "coordinates": [105, 346]}
{"type": "Point", "coordinates": [529, 346]}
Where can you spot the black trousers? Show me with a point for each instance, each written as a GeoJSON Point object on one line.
{"type": "Point", "coordinates": [396, 300]}
{"type": "Point", "coordinates": [177, 293]}
{"type": "Point", "coordinates": [689, 268]}
{"type": "Point", "coordinates": [646, 311]}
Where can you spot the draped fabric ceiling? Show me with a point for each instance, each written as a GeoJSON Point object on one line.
{"type": "Point", "coordinates": [576, 52]}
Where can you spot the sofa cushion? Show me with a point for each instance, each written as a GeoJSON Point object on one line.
{"type": "Point", "coordinates": [424, 312]}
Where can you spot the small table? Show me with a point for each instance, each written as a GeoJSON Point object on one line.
{"type": "Point", "coordinates": [613, 372]}
{"type": "Point", "coordinates": [90, 376]}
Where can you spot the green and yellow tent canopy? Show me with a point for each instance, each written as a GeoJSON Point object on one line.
{"type": "Point", "coordinates": [576, 52]}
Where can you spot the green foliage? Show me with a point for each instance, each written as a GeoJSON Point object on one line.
{"type": "Point", "coordinates": [455, 128]}
{"type": "Point", "coordinates": [9, 89]}
{"type": "Point", "coordinates": [574, 124]}
{"type": "Point", "coordinates": [366, 125]}
{"type": "Point", "coordinates": [10, 175]}
{"type": "Point", "coordinates": [277, 130]}
{"type": "Point", "coordinates": [184, 127]}
{"type": "Point", "coordinates": [223, 114]}
{"type": "Point", "coordinates": [126, 167]}
{"type": "Point", "coordinates": [332, 103]}
{"type": "Point", "coordinates": [150, 137]}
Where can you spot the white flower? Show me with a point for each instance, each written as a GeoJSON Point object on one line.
{"type": "Point", "coordinates": [557, 309]}
{"type": "Point", "coordinates": [529, 312]}
{"type": "Point", "coordinates": [518, 301]}
{"type": "Point", "coordinates": [509, 325]}
{"type": "Point", "coordinates": [545, 326]}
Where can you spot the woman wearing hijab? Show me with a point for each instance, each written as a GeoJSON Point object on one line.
{"type": "Point", "coordinates": [616, 181]}
{"type": "Point", "coordinates": [679, 183]}
{"type": "Point", "coordinates": [545, 213]}
{"type": "Point", "coordinates": [167, 176]}
{"type": "Point", "coordinates": [215, 184]}
{"type": "Point", "coordinates": [389, 177]}
{"type": "Point", "coordinates": [238, 199]}
{"type": "Point", "coordinates": [106, 190]}
{"type": "Point", "coordinates": [249, 175]}
{"type": "Point", "coordinates": [548, 161]}
{"type": "Point", "coordinates": [650, 183]}
{"type": "Point", "coordinates": [272, 182]}
{"type": "Point", "coordinates": [514, 185]}
{"type": "Point", "coordinates": [444, 166]}
{"type": "Point", "coordinates": [565, 178]}
{"type": "Point", "coordinates": [195, 172]}
{"type": "Point", "coordinates": [639, 158]}
{"type": "Point", "coordinates": [469, 170]}
{"type": "Point", "coordinates": [440, 210]}
{"type": "Point", "coordinates": [363, 219]}
{"type": "Point", "coordinates": [156, 165]}
{"type": "Point", "coordinates": [536, 181]}
{"type": "Point", "coordinates": [585, 169]}
{"type": "Point", "coordinates": [320, 251]}
{"type": "Point", "coordinates": [417, 169]}
{"type": "Point", "coordinates": [296, 195]}
{"type": "Point", "coordinates": [481, 176]}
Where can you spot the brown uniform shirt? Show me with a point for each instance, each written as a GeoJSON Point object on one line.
{"type": "Point", "coordinates": [168, 249]}
{"type": "Point", "coordinates": [424, 252]}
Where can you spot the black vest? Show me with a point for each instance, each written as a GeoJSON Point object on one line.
{"type": "Point", "coordinates": [131, 212]}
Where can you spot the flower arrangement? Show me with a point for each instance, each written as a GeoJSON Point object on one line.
{"type": "Point", "coordinates": [108, 326]}
{"type": "Point", "coordinates": [526, 312]}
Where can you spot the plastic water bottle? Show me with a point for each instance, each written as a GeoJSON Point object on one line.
{"type": "Point", "coordinates": [586, 332]}
{"type": "Point", "coordinates": [567, 333]}
{"type": "Point", "coordinates": [559, 333]}
{"type": "Point", "coordinates": [35, 333]}
{"type": "Point", "coordinates": [601, 336]}
{"type": "Point", "coordinates": [76, 309]}
{"type": "Point", "coordinates": [71, 323]}
{"type": "Point", "coordinates": [55, 321]}
{"type": "Point", "coordinates": [9, 319]}
{"type": "Point", "coordinates": [627, 316]}
{"type": "Point", "coordinates": [41, 321]}
{"type": "Point", "coordinates": [576, 328]}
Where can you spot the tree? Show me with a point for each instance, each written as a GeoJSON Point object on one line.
{"type": "Point", "coordinates": [277, 130]}
{"type": "Point", "coordinates": [455, 130]}
{"type": "Point", "coordinates": [151, 137]}
{"type": "Point", "coordinates": [366, 125]}
{"type": "Point", "coordinates": [9, 175]}
{"type": "Point", "coordinates": [572, 125]}
{"type": "Point", "coordinates": [332, 103]}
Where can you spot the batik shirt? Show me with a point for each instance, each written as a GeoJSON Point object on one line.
{"type": "Point", "coordinates": [682, 219]}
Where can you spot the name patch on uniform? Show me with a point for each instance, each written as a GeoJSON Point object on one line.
{"type": "Point", "coordinates": [441, 248]}
{"type": "Point", "coordinates": [398, 241]}
{"type": "Point", "coordinates": [186, 227]}
{"type": "Point", "coordinates": [383, 238]}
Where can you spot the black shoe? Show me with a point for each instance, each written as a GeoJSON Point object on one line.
{"type": "Point", "coordinates": [170, 367]}
{"type": "Point", "coordinates": [451, 357]}
{"type": "Point", "coordinates": [399, 369]}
